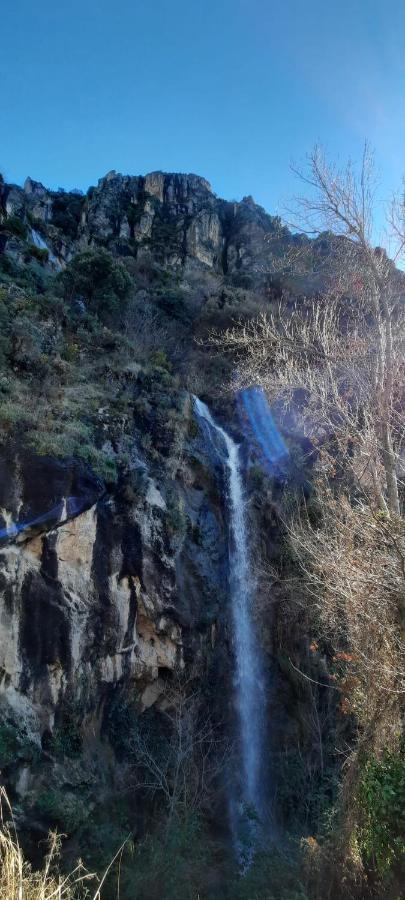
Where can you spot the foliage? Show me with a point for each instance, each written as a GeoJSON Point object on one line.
{"type": "Point", "coordinates": [174, 752]}
{"type": "Point", "coordinates": [19, 880]}
{"type": "Point", "coordinates": [174, 868]}
{"type": "Point", "coordinates": [77, 440]}
{"type": "Point", "coordinates": [120, 721]}
{"type": "Point", "coordinates": [159, 358]}
{"type": "Point", "coordinates": [166, 238]}
{"type": "Point", "coordinates": [176, 517]}
{"type": "Point", "coordinates": [382, 813]}
{"type": "Point", "coordinates": [41, 343]}
{"type": "Point", "coordinates": [173, 304]}
{"type": "Point", "coordinates": [39, 253]}
{"type": "Point", "coordinates": [15, 746]}
{"type": "Point", "coordinates": [63, 809]}
{"type": "Point", "coordinates": [67, 737]}
{"type": "Point", "coordinates": [102, 281]}
{"type": "Point", "coordinates": [331, 363]}
{"type": "Point", "coordinates": [271, 875]}
{"type": "Point", "coordinates": [14, 225]}
{"type": "Point", "coordinates": [66, 212]}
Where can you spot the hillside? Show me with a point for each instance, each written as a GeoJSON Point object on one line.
{"type": "Point", "coordinates": [119, 701]}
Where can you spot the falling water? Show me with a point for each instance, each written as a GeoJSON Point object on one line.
{"type": "Point", "coordinates": [39, 242]}
{"type": "Point", "coordinates": [249, 681]}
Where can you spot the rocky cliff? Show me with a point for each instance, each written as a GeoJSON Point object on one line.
{"type": "Point", "coordinates": [113, 522]}
{"type": "Point", "coordinates": [113, 561]}
{"type": "Point", "coordinates": [172, 217]}
{"type": "Point", "coordinates": [106, 592]}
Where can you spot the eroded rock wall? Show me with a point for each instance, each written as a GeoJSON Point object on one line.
{"type": "Point", "coordinates": [111, 600]}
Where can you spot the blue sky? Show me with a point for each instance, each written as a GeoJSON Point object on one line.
{"type": "Point", "coordinates": [233, 89]}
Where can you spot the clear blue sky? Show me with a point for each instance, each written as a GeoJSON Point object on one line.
{"type": "Point", "coordinates": [230, 89]}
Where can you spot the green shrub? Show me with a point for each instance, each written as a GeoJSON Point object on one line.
{"type": "Point", "coordinates": [36, 223]}
{"type": "Point", "coordinates": [39, 253]}
{"type": "Point", "coordinates": [66, 212]}
{"type": "Point", "coordinates": [272, 875]}
{"type": "Point", "coordinates": [257, 477]}
{"type": "Point", "coordinates": [100, 279]}
{"type": "Point", "coordinates": [71, 351]}
{"type": "Point", "coordinates": [14, 413]}
{"type": "Point", "coordinates": [382, 802]}
{"type": "Point", "coordinates": [176, 518]}
{"type": "Point", "coordinates": [63, 809]}
{"type": "Point", "coordinates": [15, 746]}
{"type": "Point", "coordinates": [102, 464]}
{"type": "Point", "coordinates": [173, 304]}
{"type": "Point", "coordinates": [8, 268]}
{"type": "Point", "coordinates": [75, 439]}
{"type": "Point", "coordinates": [14, 225]}
{"type": "Point", "coordinates": [175, 866]}
{"type": "Point", "coordinates": [67, 737]}
{"type": "Point", "coordinates": [8, 745]}
{"type": "Point", "coordinates": [159, 359]}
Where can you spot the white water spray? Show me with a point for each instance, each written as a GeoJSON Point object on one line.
{"type": "Point", "coordinates": [39, 242]}
{"type": "Point", "coordinates": [249, 681]}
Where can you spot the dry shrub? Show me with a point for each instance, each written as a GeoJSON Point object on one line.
{"type": "Point", "coordinates": [19, 881]}
{"type": "Point", "coordinates": [353, 562]}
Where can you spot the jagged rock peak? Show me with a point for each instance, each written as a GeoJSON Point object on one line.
{"type": "Point", "coordinates": [187, 180]}
{"type": "Point", "coordinates": [34, 187]}
{"type": "Point", "coordinates": [167, 187]}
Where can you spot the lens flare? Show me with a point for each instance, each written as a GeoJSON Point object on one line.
{"type": "Point", "coordinates": [260, 428]}
{"type": "Point", "coordinates": [74, 505]}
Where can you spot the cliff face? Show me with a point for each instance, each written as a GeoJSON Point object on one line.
{"type": "Point", "coordinates": [113, 527]}
{"type": "Point", "coordinates": [175, 218]}
{"type": "Point", "coordinates": [120, 699]}
{"type": "Point", "coordinates": [109, 590]}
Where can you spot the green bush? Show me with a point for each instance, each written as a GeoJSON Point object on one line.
{"type": "Point", "coordinates": [159, 359]}
{"type": "Point", "coordinates": [382, 802]}
{"type": "Point", "coordinates": [66, 212]}
{"type": "Point", "coordinates": [8, 745]}
{"type": "Point", "coordinates": [173, 304]}
{"type": "Point", "coordinates": [36, 223]}
{"type": "Point", "coordinates": [63, 809]}
{"type": "Point", "coordinates": [67, 737]}
{"type": "Point", "coordinates": [15, 746]}
{"type": "Point", "coordinates": [39, 253]}
{"type": "Point", "coordinates": [186, 864]}
{"type": "Point", "coordinates": [72, 439]}
{"type": "Point", "coordinates": [272, 875]}
{"type": "Point", "coordinates": [8, 268]}
{"type": "Point", "coordinates": [14, 225]}
{"type": "Point", "coordinates": [175, 866]}
{"type": "Point", "coordinates": [101, 280]}
{"type": "Point", "coordinates": [176, 518]}
{"type": "Point", "coordinates": [14, 413]}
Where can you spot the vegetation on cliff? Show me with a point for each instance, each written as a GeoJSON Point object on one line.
{"type": "Point", "coordinates": [148, 289]}
{"type": "Point", "coordinates": [333, 368]}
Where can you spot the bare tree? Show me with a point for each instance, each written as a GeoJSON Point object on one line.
{"type": "Point", "coordinates": [345, 349]}
{"type": "Point", "coordinates": [344, 201]}
{"type": "Point", "coordinates": [184, 765]}
{"type": "Point", "coordinates": [354, 568]}
{"type": "Point", "coordinates": [334, 364]}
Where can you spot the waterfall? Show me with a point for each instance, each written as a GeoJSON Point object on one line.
{"type": "Point", "coordinates": [39, 242]}
{"type": "Point", "coordinates": [249, 680]}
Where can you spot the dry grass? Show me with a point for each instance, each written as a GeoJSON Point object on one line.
{"type": "Point", "coordinates": [19, 881]}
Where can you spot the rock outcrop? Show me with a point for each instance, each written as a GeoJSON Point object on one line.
{"type": "Point", "coordinates": [134, 215]}
{"type": "Point", "coordinates": [102, 591]}
{"type": "Point", "coordinates": [113, 531]}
